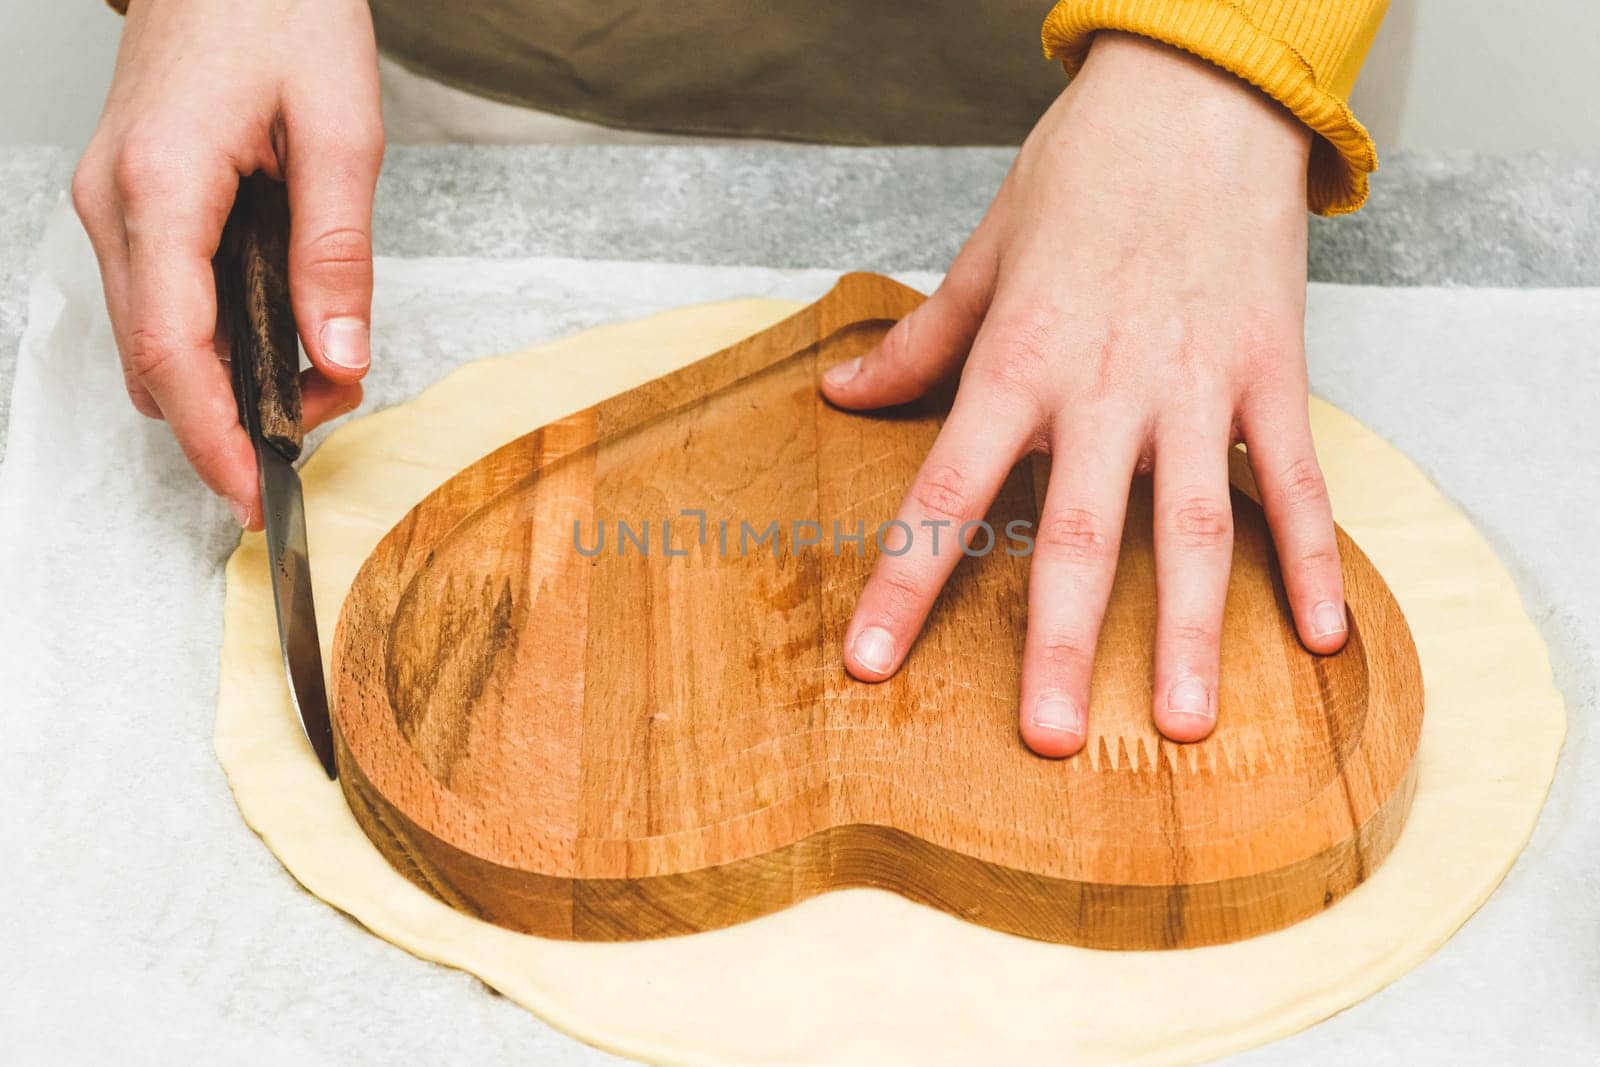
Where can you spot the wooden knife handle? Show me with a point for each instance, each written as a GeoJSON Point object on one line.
{"type": "Point", "coordinates": [253, 301]}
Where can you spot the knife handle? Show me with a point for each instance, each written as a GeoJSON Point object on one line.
{"type": "Point", "coordinates": [252, 268]}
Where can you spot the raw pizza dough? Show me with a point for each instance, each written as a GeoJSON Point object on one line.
{"type": "Point", "coordinates": [862, 976]}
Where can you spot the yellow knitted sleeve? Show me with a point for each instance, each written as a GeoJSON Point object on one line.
{"type": "Point", "coordinates": [1303, 53]}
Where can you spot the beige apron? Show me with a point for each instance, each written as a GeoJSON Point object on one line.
{"type": "Point", "coordinates": [846, 72]}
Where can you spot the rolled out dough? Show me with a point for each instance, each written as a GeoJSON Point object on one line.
{"type": "Point", "coordinates": [862, 976]}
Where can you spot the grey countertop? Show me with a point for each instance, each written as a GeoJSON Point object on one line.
{"type": "Point", "coordinates": [1434, 219]}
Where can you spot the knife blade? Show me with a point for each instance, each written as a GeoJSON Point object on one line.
{"type": "Point", "coordinates": [252, 269]}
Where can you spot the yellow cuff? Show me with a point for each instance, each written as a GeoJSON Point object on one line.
{"type": "Point", "coordinates": [1303, 53]}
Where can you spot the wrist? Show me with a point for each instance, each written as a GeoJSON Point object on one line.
{"type": "Point", "coordinates": [1166, 96]}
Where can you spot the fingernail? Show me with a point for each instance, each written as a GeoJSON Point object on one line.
{"type": "Point", "coordinates": [241, 514]}
{"type": "Point", "coordinates": [1189, 696]}
{"type": "Point", "coordinates": [1327, 619]}
{"type": "Point", "coordinates": [1057, 714]}
{"type": "Point", "coordinates": [346, 342]}
{"type": "Point", "coordinates": [843, 372]}
{"type": "Point", "coordinates": [874, 650]}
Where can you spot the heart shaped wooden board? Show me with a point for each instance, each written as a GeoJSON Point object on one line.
{"type": "Point", "coordinates": [660, 738]}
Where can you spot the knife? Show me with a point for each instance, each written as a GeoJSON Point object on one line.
{"type": "Point", "coordinates": [252, 269]}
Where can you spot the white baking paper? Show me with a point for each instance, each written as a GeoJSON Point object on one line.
{"type": "Point", "coordinates": [142, 922]}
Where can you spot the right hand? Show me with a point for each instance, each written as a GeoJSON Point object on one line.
{"type": "Point", "coordinates": [207, 91]}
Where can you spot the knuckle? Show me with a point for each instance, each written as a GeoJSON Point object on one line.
{"type": "Point", "coordinates": [1019, 361]}
{"type": "Point", "coordinates": [1317, 562]}
{"type": "Point", "coordinates": [1269, 344]}
{"type": "Point", "coordinates": [900, 589]}
{"type": "Point", "coordinates": [150, 353]}
{"type": "Point", "coordinates": [143, 163]}
{"type": "Point", "coordinates": [1302, 484]}
{"type": "Point", "coordinates": [1202, 522]}
{"type": "Point", "coordinates": [1064, 654]}
{"type": "Point", "coordinates": [341, 247]}
{"type": "Point", "coordinates": [1076, 535]}
{"type": "Point", "coordinates": [1192, 633]}
{"type": "Point", "coordinates": [142, 401]}
{"type": "Point", "coordinates": [942, 492]}
{"type": "Point", "coordinates": [88, 189]}
{"type": "Point", "coordinates": [339, 258]}
{"type": "Point", "coordinates": [133, 175]}
{"type": "Point", "coordinates": [1320, 557]}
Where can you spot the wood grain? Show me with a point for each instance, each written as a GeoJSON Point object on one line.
{"type": "Point", "coordinates": [252, 275]}
{"type": "Point", "coordinates": [632, 745]}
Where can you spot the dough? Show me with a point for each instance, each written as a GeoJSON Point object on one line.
{"type": "Point", "coordinates": [862, 976]}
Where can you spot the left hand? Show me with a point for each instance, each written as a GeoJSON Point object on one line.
{"type": "Point", "coordinates": [1134, 299]}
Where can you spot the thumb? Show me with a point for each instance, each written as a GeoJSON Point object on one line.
{"type": "Point", "coordinates": [925, 347]}
{"type": "Point", "coordinates": [331, 184]}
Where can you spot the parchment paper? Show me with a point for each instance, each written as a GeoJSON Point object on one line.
{"type": "Point", "coordinates": [140, 921]}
